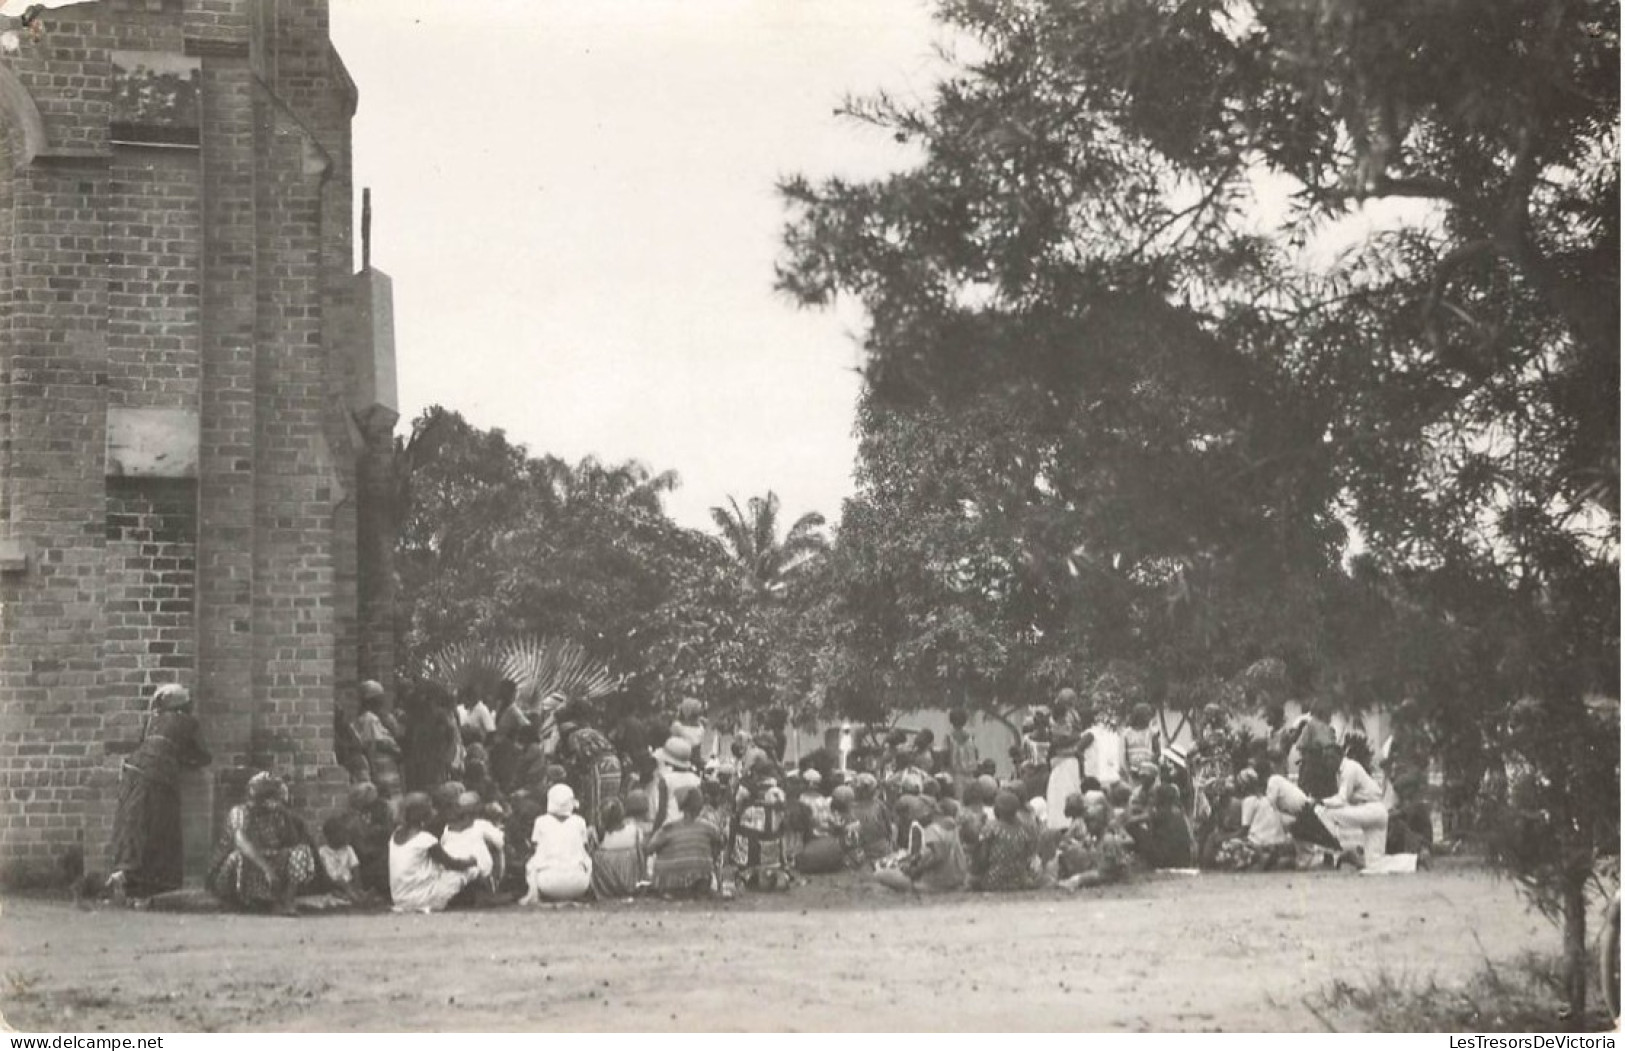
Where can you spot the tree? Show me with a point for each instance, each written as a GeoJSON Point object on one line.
{"type": "Point", "coordinates": [1087, 214]}
{"type": "Point", "coordinates": [766, 562]}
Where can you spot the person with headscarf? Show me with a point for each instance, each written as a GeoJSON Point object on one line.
{"type": "Point", "coordinates": [560, 865]}
{"type": "Point", "coordinates": [147, 848]}
{"type": "Point", "coordinates": [378, 737]}
{"type": "Point", "coordinates": [1318, 753]}
{"type": "Point", "coordinates": [266, 855]}
{"type": "Point", "coordinates": [1355, 812]}
{"type": "Point", "coordinates": [876, 835]}
{"type": "Point", "coordinates": [590, 761]}
{"type": "Point", "coordinates": [757, 847]}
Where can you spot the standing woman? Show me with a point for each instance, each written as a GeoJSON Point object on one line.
{"type": "Point", "coordinates": [147, 855]}
{"type": "Point", "coordinates": [377, 737]}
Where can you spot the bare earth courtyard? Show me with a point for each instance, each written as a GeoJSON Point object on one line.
{"type": "Point", "coordinates": [1232, 952]}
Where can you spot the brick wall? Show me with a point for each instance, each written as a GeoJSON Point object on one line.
{"type": "Point", "coordinates": [211, 278]}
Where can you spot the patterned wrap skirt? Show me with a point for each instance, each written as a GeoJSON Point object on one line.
{"type": "Point", "coordinates": [147, 834]}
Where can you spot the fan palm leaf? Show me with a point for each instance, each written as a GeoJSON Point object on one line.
{"type": "Point", "coordinates": [466, 667]}
{"type": "Point", "coordinates": [550, 672]}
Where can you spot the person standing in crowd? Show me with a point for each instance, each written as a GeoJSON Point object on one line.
{"type": "Point", "coordinates": [1142, 743]}
{"type": "Point", "coordinates": [147, 848]}
{"type": "Point", "coordinates": [690, 726]}
{"type": "Point", "coordinates": [379, 738]}
{"type": "Point", "coordinates": [475, 720]}
{"type": "Point", "coordinates": [674, 773]}
{"type": "Point", "coordinates": [590, 760]}
{"type": "Point", "coordinates": [347, 749]}
{"type": "Point", "coordinates": [1318, 753]}
{"type": "Point", "coordinates": [963, 756]}
{"type": "Point", "coordinates": [1065, 756]}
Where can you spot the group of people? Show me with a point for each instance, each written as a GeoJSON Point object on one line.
{"type": "Point", "coordinates": [544, 808]}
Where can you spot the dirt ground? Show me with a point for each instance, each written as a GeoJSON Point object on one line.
{"type": "Point", "coordinates": [1230, 952]}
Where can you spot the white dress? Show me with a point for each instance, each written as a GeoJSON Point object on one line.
{"type": "Point", "coordinates": [560, 869]}
{"type": "Point", "coordinates": [419, 883]}
{"type": "Point", "coordinates": [481, 841]}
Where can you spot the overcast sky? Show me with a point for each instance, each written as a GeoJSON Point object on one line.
{"type": "Point", "coordinates": [575, 200]}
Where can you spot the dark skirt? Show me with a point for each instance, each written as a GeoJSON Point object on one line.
{"type": "Point", "coordinates": [147, 835]}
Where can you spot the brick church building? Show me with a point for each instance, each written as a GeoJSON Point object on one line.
{"type": "Point", "coordinates": [196, 408]}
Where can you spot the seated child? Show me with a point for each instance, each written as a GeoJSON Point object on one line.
{"type": "Point", "coordinates": [422, 876]}
{"type": "Point", "coordinates": [686, 851]}
{"type": "Point", "coordinates": [470, 835]}
{"type": "Point", "coordinates": [368, 824]}
{"type": "Point", "coordinates": [338, 858]}
{"type": "Point", "coordinates": [619, 863]}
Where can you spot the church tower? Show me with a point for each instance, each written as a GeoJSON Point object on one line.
{"type": "Point", "coordinates": [196, 407]}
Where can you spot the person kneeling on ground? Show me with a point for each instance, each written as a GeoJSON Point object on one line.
{"type": "Point", "coordinates": [1263, 844]}
{"type": "Point", "coordinates": [560, 866]}
{"type": "Point", "coordinates": [1092, 853]}
{"type": "Point", "coordinates": [938, 863]}
{"type": "Point", "coordinates": [1355, 812]}
{"type": "Point", "coordinates": [265, 855]}
{"type": "Point", "coordinates": [1162, 838]}
{"type": "Point", "coordinates": [422, 876]}
{"type": "Point", "coordinates": [686, 851]}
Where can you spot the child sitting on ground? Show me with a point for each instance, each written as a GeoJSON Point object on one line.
{"type": "Point", "coordinates": [470, 835]}
{"type": "Point", "coordinates": [686, 851]}
{"type": "Point", "coordinates": [619, 863]}
{"type": "Point", "coordinates": [422, 876]}
{"type": "Point", "coordinates": [339, 860]}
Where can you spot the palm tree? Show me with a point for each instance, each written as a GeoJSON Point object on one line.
{"type": "Point", "coordinates": [767, 563]}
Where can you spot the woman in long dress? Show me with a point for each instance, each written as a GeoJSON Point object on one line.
{"type": "Point", "coordinates": [147, 854]}
{"type": "Point", "coordinates": [378, 740]}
